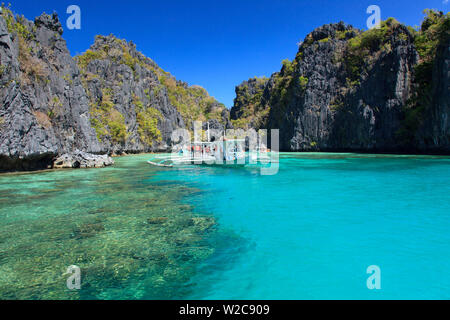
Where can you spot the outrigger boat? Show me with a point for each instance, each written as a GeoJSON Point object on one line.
{"type": "Point", "coordinates": [224, 152]}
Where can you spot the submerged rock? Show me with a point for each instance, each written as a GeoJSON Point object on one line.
{"type": "Point", "coordinates": [124, 251]}
{"type": "Point", "coordinates": [80, 159]}
{"type": "Point", "coordinates": [88, 230]}
{"type": "Point", "coordinates": [159, 220]}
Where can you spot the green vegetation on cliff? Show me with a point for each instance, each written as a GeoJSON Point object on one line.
{"type": "Point", "coordinates": [362, 48]}
{"type": "Point", "coordinates": [356, 54]}
{"type": "Point", "coordinates": [434, 32]}
{"type": "Point", "coordinates": [192, 102]}
{"type": "Point", "coordinates": [250, 96]}
{"type": "Point", "coordinates": [147, 119]}
{"type": "Point", "coordinates": [106, 120]}
{"type": "Point", "coordinates": [32, 67]}
{"type": "Point", "coordinates": [288, 85]}
{"type": "Point", "coordinates": [252, 108]}
{"type": "Point", "coordinates": [16, 25]}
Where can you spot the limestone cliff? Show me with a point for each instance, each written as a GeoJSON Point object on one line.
{"type": "Point", "coordinates": [44, 109]}
{"type": "Point", "coordinates": [109, 100]}
{"type": "Point", "coordinates": [382, 90]}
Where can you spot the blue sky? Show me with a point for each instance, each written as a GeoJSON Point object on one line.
{"type": "Point", "coordinates": [217, 44]}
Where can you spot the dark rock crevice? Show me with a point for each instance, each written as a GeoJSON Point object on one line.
{"type": "Point", "coordinates": [30, 163]}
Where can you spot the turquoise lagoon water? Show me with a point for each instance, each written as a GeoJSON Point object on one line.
{"type": "Point", "coordinates": [308, 232]}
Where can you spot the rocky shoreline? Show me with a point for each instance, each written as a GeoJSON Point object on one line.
{"type": "Point", "coordinates": [80, 159]}
{"type": "Point", "coordinates": [73, 160]}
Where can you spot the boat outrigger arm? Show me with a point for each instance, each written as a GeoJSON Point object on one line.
{"type": "Point", "coordinates": [161, 163]}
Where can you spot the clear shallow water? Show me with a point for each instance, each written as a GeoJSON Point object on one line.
{"type": "Point", "coordinates": [309, 232]}
{"type": "Point", "coordinates": [132, 236]}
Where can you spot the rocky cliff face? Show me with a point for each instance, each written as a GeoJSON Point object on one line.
{"type": "Point", "coordinates": [348, 90]}
{"type": "Point", "coordinates": [134, 104]}
{"type": "Point", "coordinates": [128, 106]}
{"type": "Point", "coordinates": [434, 131]}
{"type": "Point", "coordinates": [382, 90]}
{"type": "Point", "coordinates": [247, 108]}
{"type": "Point", "coordinates": [42, 113]}
{"type": "Point", "coordinates": [369, 115]}
{"type": "Point", "coordinates": [110, 100]}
